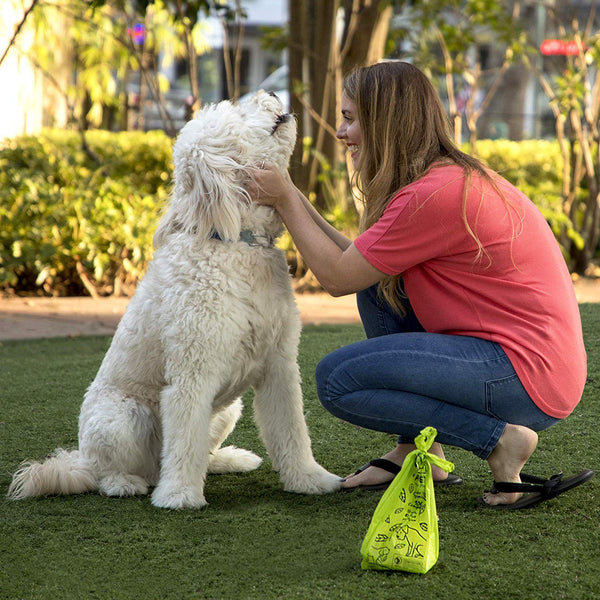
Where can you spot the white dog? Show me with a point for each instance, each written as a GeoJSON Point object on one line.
{"type": "Point", "coordinates": [214, 315]}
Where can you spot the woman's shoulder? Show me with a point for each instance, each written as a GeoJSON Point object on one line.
{"type": "Point", "coordinates": [445, 179]}
{"type": "Point", "coordinates": [450, 177]}
{"type": "Point", "coordinates": [440, 176]}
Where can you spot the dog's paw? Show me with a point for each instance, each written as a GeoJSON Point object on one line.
{"type": "Point", "coordinates": [121, 485]}
{"type": "Point", "coordinates": [167, 496]}
{"type": "Point", "coordinates": [315, 481]}
{"type": "Point", "coordinates": [233, 460]}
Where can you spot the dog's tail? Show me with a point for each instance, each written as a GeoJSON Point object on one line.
{"type": "Point", "coordinates": [62, 473]}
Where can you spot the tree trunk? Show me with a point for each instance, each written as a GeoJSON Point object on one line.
{"type": "Point", "coordinates": [322, 49]}
{"type": "Point", "coordinates": [297, 63]}
{"type": "Point", "coordinates": [328, 38]}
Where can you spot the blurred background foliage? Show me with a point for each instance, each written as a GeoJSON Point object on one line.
{"type": "Point", "coordinates": [78, 207]}
{"type": "Point", "coordinates": [70, 225]}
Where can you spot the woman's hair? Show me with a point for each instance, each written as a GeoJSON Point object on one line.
{"type": "Point", "coordinates": [404, 130]}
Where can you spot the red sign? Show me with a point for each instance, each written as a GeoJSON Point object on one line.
{"type": "Point", "coordinates": [137, 33]}
{"type": "Point", "coordinates": [562, 47]}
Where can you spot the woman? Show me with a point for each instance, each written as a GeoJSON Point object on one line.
{"type": "Point", "coordinates": [471, 318]}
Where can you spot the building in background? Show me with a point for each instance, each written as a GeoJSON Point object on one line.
{"type": "Point", "coordinates": [520, 108]}
{"type": "Point", "coordinates": [29, 101]}
{"type": "Point", "coordinates": [257, 62]}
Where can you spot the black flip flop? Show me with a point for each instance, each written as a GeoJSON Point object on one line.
{"type": "Point", "coordinates": [394, 469]}
{"type": "Point", "coordinates": [536, 489]}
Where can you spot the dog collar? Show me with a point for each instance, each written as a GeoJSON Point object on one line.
{"type": "Point", "coordinates": [252, 239]}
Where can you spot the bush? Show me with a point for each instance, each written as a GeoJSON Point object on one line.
{"type": "Point", "coordinates": [535, 167]}
{"type": "Point", "coordinates": [70, 224]}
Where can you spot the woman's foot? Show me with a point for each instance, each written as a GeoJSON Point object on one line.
{"type": "Point", "coordinates": [375, 476]}
{"type": "Point", "coordinates": [515, 446]}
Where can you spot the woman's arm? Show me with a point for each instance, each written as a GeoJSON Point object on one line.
{"type": "Point", "coordinates": [332, 257]}
{"type": "Point", "coordinates": [339, 238]}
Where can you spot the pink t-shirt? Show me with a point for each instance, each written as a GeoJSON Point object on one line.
{"type": "Point", "coordinates": [519, 295]}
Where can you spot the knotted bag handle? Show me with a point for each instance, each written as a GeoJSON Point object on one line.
{"type": "Point", "coordinates": [423, 442]}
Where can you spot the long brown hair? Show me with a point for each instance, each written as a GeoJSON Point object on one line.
{"type": "Point", "coordinates": [404, 130]}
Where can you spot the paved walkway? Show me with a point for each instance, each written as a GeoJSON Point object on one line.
{"type": "Point", "coordinates": [30, 318]}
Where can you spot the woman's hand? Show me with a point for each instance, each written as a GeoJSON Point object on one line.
{"type": "Point", "coordinates": [269, 186]}
{"type": "Point", "coordinates": [331, 256]}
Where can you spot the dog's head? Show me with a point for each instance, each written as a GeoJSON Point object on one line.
{"type": "Point", "coordinates": [271, 132]}
{"type": "Point", "coordinates": [212, 156]}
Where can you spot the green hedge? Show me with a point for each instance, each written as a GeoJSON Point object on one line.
{"type": "Point", "coordinates": [535, 167]}
{"type": "Point", "coordinates": [75, 222]}
{"type": "Point", "coordinates": [71, 225]}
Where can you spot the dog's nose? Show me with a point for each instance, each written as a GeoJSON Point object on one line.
{"type": "Point", "coordinates": [283, 118]}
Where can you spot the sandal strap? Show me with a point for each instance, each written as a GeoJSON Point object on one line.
{"type": "Point", "coordinates": [386, 465]}
{"type": "Point", "coordinates": [533, 479]}
{"type": "Point", "coordinates": [532, 484]}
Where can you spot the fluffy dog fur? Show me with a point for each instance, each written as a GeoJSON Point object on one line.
{"type": "Point", "coordinates": [214, 315]}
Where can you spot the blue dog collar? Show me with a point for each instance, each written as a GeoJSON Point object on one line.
{"type": "Point", "coordinates": [251, 238]}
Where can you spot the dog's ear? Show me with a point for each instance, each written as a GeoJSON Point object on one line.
{"type": "Point", "coordinates": [208, 195]}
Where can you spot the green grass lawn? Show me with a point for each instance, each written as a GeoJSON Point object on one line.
{"type": "Point", "coordinates": [256, 541]}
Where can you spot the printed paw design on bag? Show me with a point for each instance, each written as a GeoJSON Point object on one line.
{"type": "Point", "coordinates": [403, 534]}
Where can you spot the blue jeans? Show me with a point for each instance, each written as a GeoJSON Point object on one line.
{"type": "Point", "coordinates": [402, 379]}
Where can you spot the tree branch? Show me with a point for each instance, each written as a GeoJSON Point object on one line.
{"type": "Point", "coordinates": [17, 30]}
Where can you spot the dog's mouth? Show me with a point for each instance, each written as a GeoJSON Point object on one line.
{"type": "Point", "coordinates": [280, 120]}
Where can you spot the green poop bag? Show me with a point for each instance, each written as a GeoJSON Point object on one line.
{"type": "Point", "coordinates": [403, 534]}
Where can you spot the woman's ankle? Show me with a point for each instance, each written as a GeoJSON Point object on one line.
{"type": "Point", "coordinates": [401, 451]}
{"type": "Point", "coordinates": [514, 448]}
